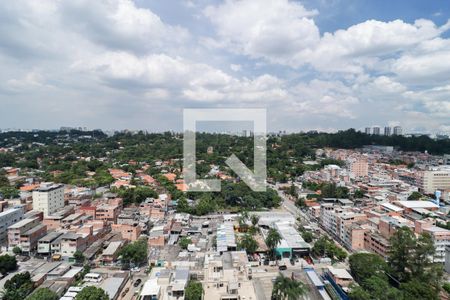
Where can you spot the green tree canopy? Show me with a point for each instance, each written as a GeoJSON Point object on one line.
{"type": "Point", "coordinates": [272, 240]}
{"type": "Point", "coordinates": [365, 265]}
{"type": "Point", "coordinates": [135, 253]}
{"type": "Point", "coordinates": [92, 293]}
{"type": "Point", "coordinates": [43, 294]}
{"type": "Point", "coordinates": [8, 263]}
{"type": "Point", "coordinates": [248, 243]}
{"type": "Point", "coordinates": [285, 288]}
{"type": "Point", "coordinates": [18, 287]}
{"type": "Point", "coordinates": [184, 242]}
{"type": "Point", "coordinates": [194, 290]}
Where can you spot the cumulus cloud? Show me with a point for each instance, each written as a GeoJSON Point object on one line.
{"type": "Point", "coordinates": [274, 30]}
{"type": "Point", "coordinates": [95, 62]}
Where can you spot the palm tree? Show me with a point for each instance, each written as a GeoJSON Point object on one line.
{"type": "Point", "coordinates": [285, 288]}
{"type": "Point", "coordinates": [254, 219]}
{"type": "Point", "coordinates": [272, 240]}
{"type": "Point", "coordinates": [242, 219]}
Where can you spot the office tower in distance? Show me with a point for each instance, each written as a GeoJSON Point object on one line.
{"type": "Point", "coordinates": [397, 130]}
{"type": "Point", "coordinates": [376, 130]}
{"type": "Point", "coordinates": [367, 130]}
{"type": "Point", "coordinates": [387, 130]}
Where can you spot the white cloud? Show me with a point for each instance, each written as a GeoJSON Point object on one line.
{"type": "Point", "coordinates": [324, 98]}
{"type": "Point", "coordinates": [274, 30]}
{"type": "Point", "coordinates": [95, 61]}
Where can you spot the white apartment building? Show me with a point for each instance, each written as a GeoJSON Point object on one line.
{"type": "Point", "coordinates": [430, 181]}
{"type": "Point", "coordinates": [48, 198]}
{"type": "Point", "coordinates": [8, 218]}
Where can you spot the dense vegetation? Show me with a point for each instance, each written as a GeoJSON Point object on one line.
{"type": "Point", "coordinates": [409, 272]}
{"type": "Point", "coordinates": [83, 158]}
{"type": "Point", "coordinates": [92, 292]}
{"type": "Point", "coordinates": [18, 287]}
{"type": "Point", "coordinates": [8, 263]}
{"type": "Point", "coordinates": [135, 253]}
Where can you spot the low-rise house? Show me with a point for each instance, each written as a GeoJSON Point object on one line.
{"type": "Point", "coordinates": [111, 252]}
{"type": "Point", "coordinates": [44, 243]}
{"type": "Point", "coordinates": [128, 232]}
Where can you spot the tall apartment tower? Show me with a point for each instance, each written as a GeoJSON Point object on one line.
{"type": "Point", "coordinates": [48, 198]}
{"type": "Point", "coordinates": [397, 130]}
{"type": "Point", "coordinates": [376, 130]}
{"type": "Point", "coordinates": [387, 130]}
{"type": "Point", "coordinates": [367, 130]}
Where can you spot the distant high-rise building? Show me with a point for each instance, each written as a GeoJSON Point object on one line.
{"type": "Point", "coordinates": [387, 130]}
{"type": "Point", "coordinates": [376, 130]}
{"type": "Point", "coordinates": [367, 130]}
{"type": "Point", "coordinates": [397, 130]}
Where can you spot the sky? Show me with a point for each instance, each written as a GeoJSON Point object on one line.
{"type": "Point", "coordinates": [314, 65]}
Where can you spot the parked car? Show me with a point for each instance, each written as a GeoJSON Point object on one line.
{"type": "Point", "coordinates": [125, 292]}
{"type": "Point", "coordinates": [137, 283]}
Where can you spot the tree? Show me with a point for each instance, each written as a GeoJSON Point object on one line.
{"type": "Point", "coordinates": [446, 287]}
{"type": "Point", "coordinates": [4, 181]}
{"type": "Point", "coordinates": [379, 288]}
{"type": "Point", "coordinates": [79, 257]}
{"type": "Point", "coordinates": [285, 288]}
{"type": "Point", "coordinates": [358, 194]}
{"type": "Point", "coordinates": [307, 236]}
{"type": "Point", "coordinates": [421, 256]}
{"type": "Point", "coordinates": [18, 287]}
{"type": "Point", "coordinates": [135, 253]}
{"type": "Point", "coordinates": [7, 263]}
{"type": "Point", "coordinates": [194, 290]}
{"type": "Point", "coordinates": [359, 293]}
{"type": "Point", "coordinates": [17, 250]}
{"type": "Point", "coordinates": [183, 205]}
{"type": "Point", "coordinates": [401, 249]}
{"type": "Point", "coordinates": [415, 196]}
{"type": "Point", "coordinates": [364, 265]}
{"type": "Point", "coordinates": [272, 240]}
{"type": "Point", "coordinates": [254, 219]}
{"type": "Point", "coordinates": [324, 246]}
{"type": "Point", "coordinates": [92, 293]}
{"type": "Point", "coordinates": [184, 242]}
{"type": "Point", "coordinates": [43, 294]}
{"type": "Point", "coordinates": [416, 289]}
{"type": "Point", "coordinates": [248, 243]}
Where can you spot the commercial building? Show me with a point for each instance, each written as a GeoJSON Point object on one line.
{"type": "Point", "coordinates": [292, 244]}
{"type": "Point", "coordinates": [376, 130]}
{"type": "Point", "coordinates": [48, 198]}
{"type": "Point", "coordinates": [398, 130]}
{"type": "Point", "coordinates": [430, 181]}
{"type": "Point", "coordinates": [387, 131]}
